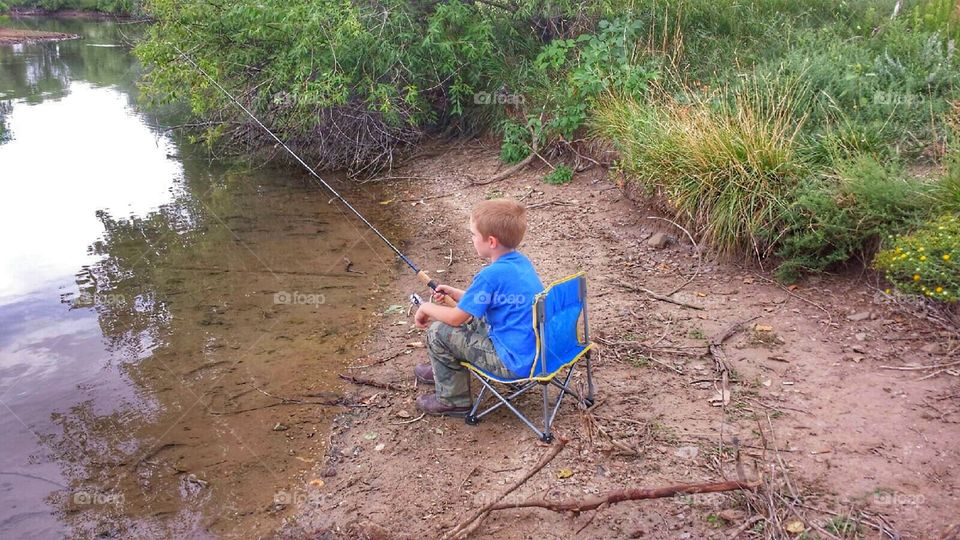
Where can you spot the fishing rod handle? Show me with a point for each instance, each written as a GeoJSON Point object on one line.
{"type": "Point", "coordinates": [429, 282]}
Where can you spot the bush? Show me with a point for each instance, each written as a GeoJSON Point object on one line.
{"type": "Point", "coordinates": [726, 163]}
{"type": "Point", "coordinates": [832, 220]}
{"type": "Point", "coordinates": [561, 175]}
{"type": "Point", "coordinates": [927, 261]}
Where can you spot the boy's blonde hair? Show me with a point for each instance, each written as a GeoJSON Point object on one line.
{"type": "Point", "coordinates": [504, 219]}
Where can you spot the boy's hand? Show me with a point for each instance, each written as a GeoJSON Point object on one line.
{"type": "Point", "coordinates": [420, 318]}
{"type": "Point", "coordinates": [447, 290]}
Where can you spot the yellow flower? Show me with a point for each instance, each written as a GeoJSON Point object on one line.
{"type": "Point", "coordinates": [939, 289]}
{"type": "Point", "coordinates": [923, 257]}
{"type": "Point", "coordinates": [946, 257]}
{"type": "Point", "coordinates": [886, 291]}
{"type": "Point", "coordinates": [916, 277]}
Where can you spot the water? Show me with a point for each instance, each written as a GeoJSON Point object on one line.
{"type": "Point", "coordinates": [155, 305]}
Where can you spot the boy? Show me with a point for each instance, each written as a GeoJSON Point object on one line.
{"type": "Point", "coordinates": [499, 338]}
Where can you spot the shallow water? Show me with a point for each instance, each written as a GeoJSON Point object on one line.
{"type": "Point", "coordinates": [155, 306]}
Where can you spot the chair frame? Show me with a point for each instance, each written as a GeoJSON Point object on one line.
{"type": "Point", "coordinates": [519, 386]}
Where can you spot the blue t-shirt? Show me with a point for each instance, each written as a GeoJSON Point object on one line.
{"type": "Point", "coordinates": [503, 293]}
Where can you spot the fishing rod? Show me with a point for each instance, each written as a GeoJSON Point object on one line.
{"type": "Point", "coordinates": [421, 275]}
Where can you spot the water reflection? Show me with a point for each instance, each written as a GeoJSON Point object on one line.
{"type": "Point", "coordinates": [140, 333]}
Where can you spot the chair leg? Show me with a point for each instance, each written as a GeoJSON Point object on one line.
{"type": "Point", "coordinates": [589, 400]}
{"type": "Point", "coordinates": [471, 417]}
{"type": "Point", "coordinates": [547, 436]}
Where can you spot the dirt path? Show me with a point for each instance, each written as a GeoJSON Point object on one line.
{"type": "Point", "coordinates": [867, 443]}
{"type": "Point", "coordinates": [10, 36]}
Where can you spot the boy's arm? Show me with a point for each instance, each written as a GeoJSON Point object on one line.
{"type": "Point", "coordinates": [450, 315]}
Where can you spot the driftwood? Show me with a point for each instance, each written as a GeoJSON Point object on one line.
{"type": "Point", "coordinates": [471, 524]}
{"type": "Point", "coordinates": [627, 494]}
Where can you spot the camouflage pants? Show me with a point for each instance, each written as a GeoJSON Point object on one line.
{"type": "Point", "coordinates": [450, 345]}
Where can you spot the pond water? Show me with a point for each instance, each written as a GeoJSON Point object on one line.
{"type": "Point", "coordinates": [156, 305]}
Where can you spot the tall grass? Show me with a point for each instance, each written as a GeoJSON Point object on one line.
{"type": "Point", "coordinates": [726, 161]}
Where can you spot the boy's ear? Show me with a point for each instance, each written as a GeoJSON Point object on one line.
{"type": "Point", "coordinates": [493, 241]}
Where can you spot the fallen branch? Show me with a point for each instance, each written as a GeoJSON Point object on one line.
{"type": "Point", "coordinates": [921, 368]}
{"type": "Point", "coordinates": [720, 360]}
{"type": "Point", "coordinates": [628, 494]}
{"type": "Point", "coordinates": [516, 168]}
{"type": "Point", "coordinates": [369, 382]}
{"type": "Point", "coordinates": [470, 524]}
{"type": "Point", "coordinates": [658, 296]}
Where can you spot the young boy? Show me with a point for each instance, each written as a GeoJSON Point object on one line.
{"type": "Point", "coordinates": [499, 338]}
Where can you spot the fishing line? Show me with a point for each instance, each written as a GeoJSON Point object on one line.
{"type": "Point", "coordinates": [420, 273]}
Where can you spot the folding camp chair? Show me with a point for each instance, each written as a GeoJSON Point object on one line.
{"type": "Point", "coordinates": [560, 326]}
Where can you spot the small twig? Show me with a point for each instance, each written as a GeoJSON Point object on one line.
{"type": "Point", "coordinates": [798, 297]}
{"type": "Point", "coordinates": [369, 382]}
{"type": "Point", "coordinates": [921, 368]}
{"type": "Point", "coordinates": [408, 421]}
{"type": "Point", "coordinates": [658, 296]}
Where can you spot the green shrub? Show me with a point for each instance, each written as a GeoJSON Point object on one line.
{"type": "Point", "coordinates": [832, 220]}
{"type": "Point", "coordinates": [726, 163]}
{"type": "Point", "coordinates": [927, 261]}
{"type": "Point", "coordinates": [560, 175]}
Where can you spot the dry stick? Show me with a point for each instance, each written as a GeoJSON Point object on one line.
{"type": "Point", "coordinates": [720, 359]}
{"type": "Point", "coordinates": [921, 368]}
{"type": "Point", "coordinates": [381, 361]}
{"type": "Point", "coordinates": [627, 494]}
{"type": "Point", "coordinates": [471, 523]}
{"type": "Point", "coordinates": [368, 382]}
{"type": "Point", "coordinates": [746, 525]}
{"type": "Point", "coordinates": [798, 297]}
{"type": "Point", "coordinates": [695, 247]}
{"type": "Point", "coordinates": [658, 296]}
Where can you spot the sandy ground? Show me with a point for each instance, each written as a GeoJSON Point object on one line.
{"type": "Point", "coordinates": [816, 410]}
{"type": "Point", "coordinates": [19, 35]}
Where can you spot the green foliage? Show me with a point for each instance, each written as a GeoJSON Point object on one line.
{"type": "Point", "coordinates": [562, 174]}
{"type": "Point", "coordinates": [726, 162]}
{"type": "Point", "coordinates": [927, 261]}
{"type": "Point", "coordinates": [835, 219]}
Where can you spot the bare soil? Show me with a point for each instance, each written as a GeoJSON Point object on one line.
{"type": "Point", "coordinates": [9, 36]}
{"type": "Point", "coordinates": [862, 445]}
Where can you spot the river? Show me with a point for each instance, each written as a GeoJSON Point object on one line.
{"type": "Point", "coordinates": [156, 306]}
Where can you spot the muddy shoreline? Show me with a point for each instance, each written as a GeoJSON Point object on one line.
{"type": "Point", "coordinates": [811, 385]}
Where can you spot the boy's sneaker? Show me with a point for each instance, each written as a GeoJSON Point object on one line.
{"type": "Point", "coordinates": [429, 404]}
{"type": "Point", "coordinates": [424, 373]}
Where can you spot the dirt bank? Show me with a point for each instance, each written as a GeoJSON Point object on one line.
{"type": "Point", "coordinates": [10, 36]}
{"type": "Point", "coordinates": [841, 438]}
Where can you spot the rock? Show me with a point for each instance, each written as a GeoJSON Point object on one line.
{"type": "Point", "coordinates": [857, 317]}
{"type": "Point", "coordinates": [687, 452]}
{"type": "Point", "coordinates": [661, 240]}
{"type": "Point", "coordinates": [932, 348]}
{"type": "Point", "coordinates": [860, 336]}
{"type": "Point", "coordinates": [732, 515]}
{"type": "Point", "coordinates": [280, 427]}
